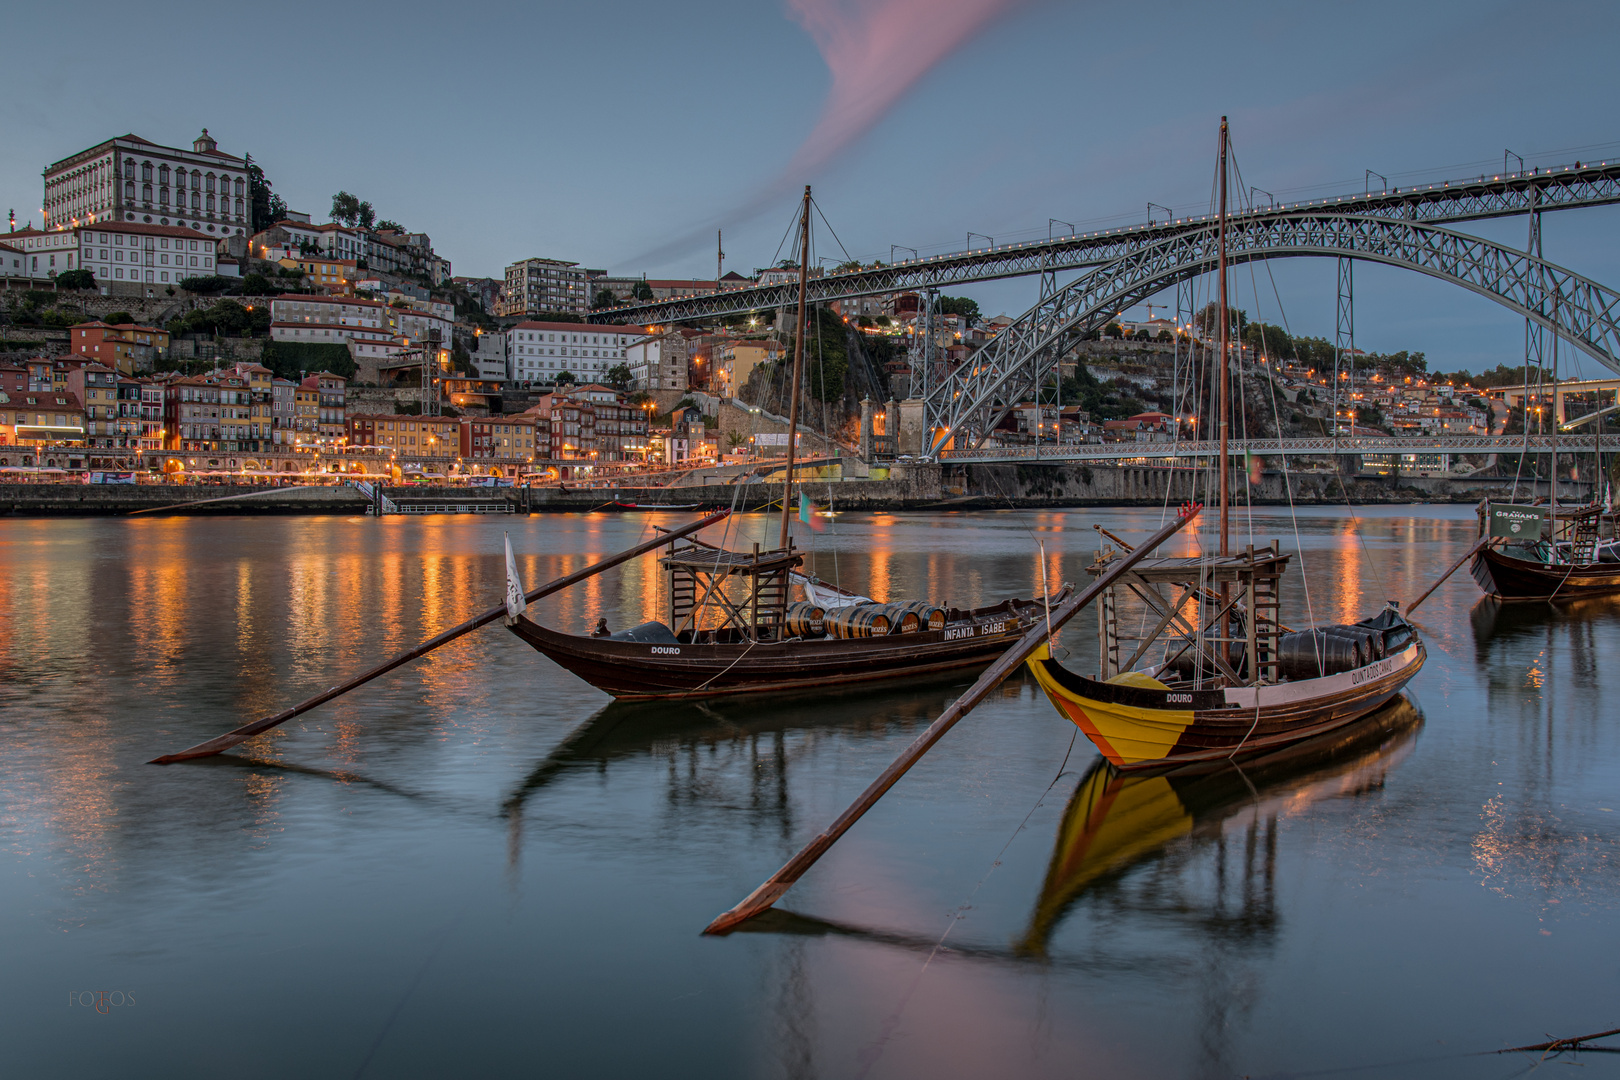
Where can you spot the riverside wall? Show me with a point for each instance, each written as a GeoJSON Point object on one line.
{"type": "Point", "coordinates": [926, 487]}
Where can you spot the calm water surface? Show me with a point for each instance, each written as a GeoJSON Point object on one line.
{"type": "Point", "coordinates": [477, 866]}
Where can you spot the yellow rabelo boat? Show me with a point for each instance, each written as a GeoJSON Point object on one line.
{"type": "Point", "coordinates": [1222, 677]}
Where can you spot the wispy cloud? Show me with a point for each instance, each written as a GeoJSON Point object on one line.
{"type": "Point", "coordinates": [875, 50]}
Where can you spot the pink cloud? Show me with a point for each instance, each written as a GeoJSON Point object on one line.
{"type": "Point", "coordinates": [876, 50]}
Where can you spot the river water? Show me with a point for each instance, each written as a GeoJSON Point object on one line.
{"type": "Point", "coordinates": [477, 866]}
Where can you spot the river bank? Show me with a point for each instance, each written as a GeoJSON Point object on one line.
{"type": "Point", "coordinates": [931, 487]}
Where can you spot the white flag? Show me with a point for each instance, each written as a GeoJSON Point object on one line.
{"type": "Point", "coordinates": [515, 604]}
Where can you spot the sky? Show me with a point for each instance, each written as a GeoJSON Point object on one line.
{"type": "Point", "coordinates": [622, 135]}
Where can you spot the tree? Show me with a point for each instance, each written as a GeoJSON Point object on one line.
{"type": "Point", "coordinates": [1205, 320]}
{"type": "Point", "coordinates": [345, 208]}
{"type": "Point", "coordinates": [564, 377]}
{"type": "Point", "coordinates": [642, 291]}
{"type": "Point", "coordinates": [366, 216]}
{"type": "Point", "coordinates": [847, 267]}
{"type": "Point", "coordinates": [604, 299]}
{"type": "Point", "coordinates": [257, 285]}
{"type": "Point", "coordinates": [268, 207]}
{"type": "Point", "coordinates": [960, 305]}
{"type": "Point", "coordinates": [207, 286]}
{"type": "Point", "coordinates": [75, 279]}
{"type": "Point", "coordinates": [619, 377]}
{"type": "Point", "coordinates": [118, 318]}
{"type": "Point", "coordinates": [388, 223]}
{"type": "Point", "coordinates": [1114, 330]}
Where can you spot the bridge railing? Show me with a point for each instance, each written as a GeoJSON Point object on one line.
{"type": "Point", "coordinates": [1322, 445]}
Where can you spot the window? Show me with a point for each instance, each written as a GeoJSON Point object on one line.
{"type": "Point", "coordinates": [146, 171]}
{"type": "Point", "coordinates": [129, 170]}
{"type": "Point", "coordinates": [129, 186]}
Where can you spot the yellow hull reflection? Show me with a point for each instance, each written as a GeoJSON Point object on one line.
{"type": "Point", "coordinates": [1116, 820]}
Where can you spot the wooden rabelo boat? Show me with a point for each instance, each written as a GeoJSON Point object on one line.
{"type": "Point", "coordinates": [1570, 555]}
{"type": "Point", "coordinates": [1220, 676]}
{"type": "Point", "coordinates": [734, 628]}
{"type": "Point", "coordinates": [1228, 680]}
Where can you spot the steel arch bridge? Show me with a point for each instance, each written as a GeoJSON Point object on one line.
{"type": "Point", "coordinates": [1563, 187]}
{"type": "Point", "coordinates": [969, 404]}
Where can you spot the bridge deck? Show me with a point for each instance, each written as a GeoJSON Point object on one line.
{"type": "Point", "coordinates": [1322, 446]}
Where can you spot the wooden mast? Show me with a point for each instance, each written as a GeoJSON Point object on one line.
{"type": "Point", "coordinates": [798, 367]}
{"type": "Point", "coordinates": [1225, 395]}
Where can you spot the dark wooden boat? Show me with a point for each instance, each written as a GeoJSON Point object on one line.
{"type": "Point", "coordinates": [1536, 554]}
{"type": "Point", "coordinates": [1516, 573]}
{"type": "Point", "coordinates": [734, 632]}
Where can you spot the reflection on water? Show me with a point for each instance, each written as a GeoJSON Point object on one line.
{"type": "Point", "coordinates": [1350, 901]}
{"type": "Point", "coordinates": [1163, 845]}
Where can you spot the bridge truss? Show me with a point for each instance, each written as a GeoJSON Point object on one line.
{"type": "Point", "coordinates": [1502, 195]}
{"type": "Point", "coordinates": [968, 406]}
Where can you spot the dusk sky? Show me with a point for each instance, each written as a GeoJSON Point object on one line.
{"type": "Point", "coordinates": [621, 135]}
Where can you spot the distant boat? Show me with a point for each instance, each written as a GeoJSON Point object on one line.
{"type": "Point", "coordinates": [656, 506]}
{"type": "Point", "coordinates": [1576, 563]}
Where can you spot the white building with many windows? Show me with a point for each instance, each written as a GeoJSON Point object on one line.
{"type": "Point", "coordinates": [129, 179]}
{"type": "Point", "coordinates": [117, 252]}
{"type": "Point", "coordinates": [540, 351]}
{"type": "Point", "coordinates": [538, 286]}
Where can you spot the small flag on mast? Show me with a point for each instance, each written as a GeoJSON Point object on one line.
{"type": "Point", "coordinates": [515, 603]}
{"type": "Point", "coordinates": [807, 513]}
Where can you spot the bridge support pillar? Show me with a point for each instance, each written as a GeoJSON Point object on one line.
{"type": "Point", "coordinates": [912, 427]}
{"type": "Point", "coordinates": [866, 429]}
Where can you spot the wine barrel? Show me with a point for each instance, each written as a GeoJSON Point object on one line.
{"type": "Point", "coordinates": [929, 614]}
{"type": "Point", "coordinates": [806, 620]}
{"type": "Point", "coordinates": [1372, 640]}
{"type": "Point", "coordinates": [1312, 654]}
{"type": "Point", "coordinates": [857, 621]}
{"type": "Point", "coordinates": [902, 620]}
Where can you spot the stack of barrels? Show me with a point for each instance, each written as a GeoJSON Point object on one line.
{"type": "Point", "coordinates": [872, 620]}
{"type": "Point", "coordinates": [1311, 654]}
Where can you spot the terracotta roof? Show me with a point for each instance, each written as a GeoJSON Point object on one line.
{"type": "Point", "coordinates": [582, 328]}
{"type": "Point", "coordinates": [332, 299]}
{"type": "Point", "coordinates": [145, 230]}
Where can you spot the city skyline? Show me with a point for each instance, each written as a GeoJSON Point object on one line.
{"type": "Point", "coordinates": [1005, 116]}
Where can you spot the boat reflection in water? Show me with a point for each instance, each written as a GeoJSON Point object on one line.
{"type": "Point", "coordinates": [729, 756]}
{"type": "Point", "coordinates": [1118, 822]}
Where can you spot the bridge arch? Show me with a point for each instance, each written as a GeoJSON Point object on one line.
{"type": "Point", "coordinates": [977, 396]}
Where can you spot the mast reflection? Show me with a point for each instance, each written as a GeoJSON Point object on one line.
{"type": "Point", "coordinates": [1158, 845]}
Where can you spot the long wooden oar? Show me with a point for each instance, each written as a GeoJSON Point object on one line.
{"type": "Point", "coordinates": [247, 731]}
{"type": "Point", "coordinates": [1469, 554]}
{"type": "Point", "coordinates": [781, 881]}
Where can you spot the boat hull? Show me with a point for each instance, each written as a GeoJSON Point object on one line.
{"type": "Point", "coordinates": [1139, 727]}
{"type": "Point", "coordinates": [1511, 578]}
{"type": "Point", "coordinates": [629, 669]}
